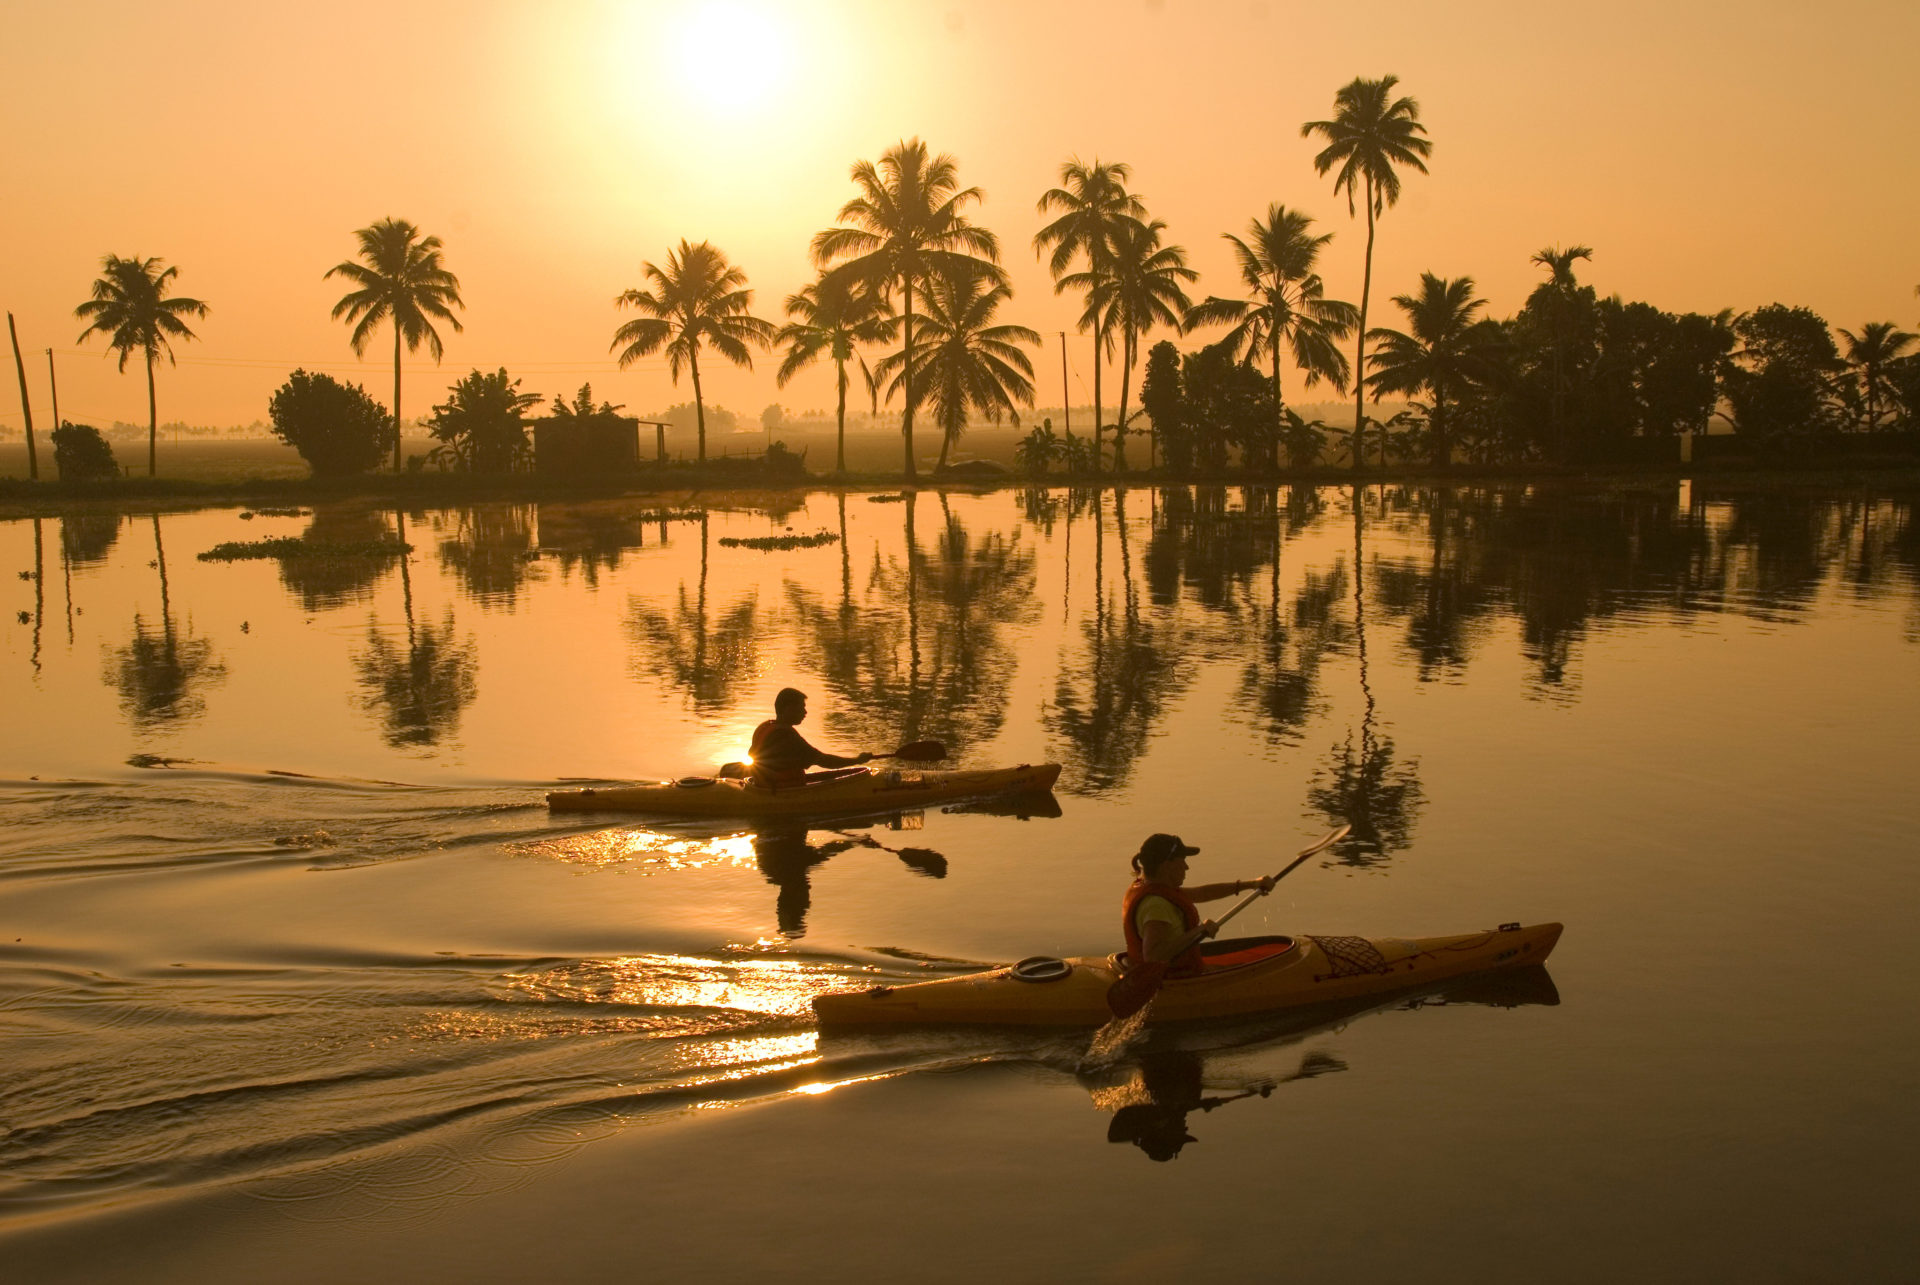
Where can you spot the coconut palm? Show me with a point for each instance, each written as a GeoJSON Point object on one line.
{"type": "Point", "coordinates": [698, 295]}
{"type": "Point", "coordinates": [1092, 204]}
{"type": "Point", "coordinates": [1287, 307]}
{"type": "Point", "coordinates": [906, 227]}
{"type": "Point", "coordinates": [130, 307]}
{"type": "Point", "coordinates": [1870, 352]}
{"type": "Point", "coordinates": [1142, 289]}
{"type": "Point", "coordinates": [1370, 134]}
{"type": "Point", "coordinates": [1447, 350]}
{"type": "Point", "coordinates": [401, 279]}
{"type": "Point", "coordinates": [829, 319]}
{"type": "Point", "coordinates": [1551, 299]}
{"type": "Point", "coordinates": [958, 360]}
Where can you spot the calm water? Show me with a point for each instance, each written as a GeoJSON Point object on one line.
{"type": "Point", "coordinates": [296, 971]}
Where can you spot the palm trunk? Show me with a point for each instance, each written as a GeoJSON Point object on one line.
{"type": "Point", "coordinates": [1279, 402]}
{"type": "Point", "coordinates": [1441, 449]}
{"type": "Point", "coordinates": [699, 406]}
{"type": "Point", "coordinates": [1360, 356]}
{"type": "Point", "coordinates": [1099, 335]}
{"type": "Point", "coordinates": [153, 417]}
{"type": "Point", "coordinates": [906, 373]}
{"type": "Point", "coordinates": [26, 409]}
{"type": "Point", "coordinates": [840, 444]}
{"type": "Point", "coordinates": [396, 397]}
{"type": "Point", "coordinates": [1120, 426]}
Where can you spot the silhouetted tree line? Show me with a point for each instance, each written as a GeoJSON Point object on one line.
{"type": "Point", "coordinates": [907, 277]}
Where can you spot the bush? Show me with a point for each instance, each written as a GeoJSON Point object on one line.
{"type": "Point", "coordinates": [482, 426]}
{"type": "Point", "coordinates": [82, 455]}
{"type": "Point", "coordinates": [338, 429]}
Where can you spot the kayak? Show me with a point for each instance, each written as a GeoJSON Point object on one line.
{"type": "Point", "coordinates": [866, 790]}
{"type": "Point", "coordinates": [1244, 976]}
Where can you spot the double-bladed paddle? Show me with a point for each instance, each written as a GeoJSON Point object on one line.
{"type": "Point", "coordinates": [911, 752]}
{"type": "Point", "coordinates": [1137, 987]}
{"type": "Point", "coordinates": [918, 752]}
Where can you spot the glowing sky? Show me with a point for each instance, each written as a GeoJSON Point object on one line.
{"type": "Point", "coordinates": [1715, 155]}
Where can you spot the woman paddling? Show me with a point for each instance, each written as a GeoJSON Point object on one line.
{"type": "Point", "coordinates": [1160, 911]}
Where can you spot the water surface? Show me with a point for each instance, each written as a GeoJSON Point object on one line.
{"type": "Point", "coordinates": [293, 960]}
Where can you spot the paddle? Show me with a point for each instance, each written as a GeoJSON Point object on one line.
{"type": "Point", "coordinates": [1136, 989]}
{"type": "Point", "coordinates": [918, 752]}
{"type": "Point", "coordinates": [911, 752]}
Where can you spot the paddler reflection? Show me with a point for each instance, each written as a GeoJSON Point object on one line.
{"type": "Point", "coordinates": [1168, 1084]}
{"type": "Point", "coordinates": [787, 857]}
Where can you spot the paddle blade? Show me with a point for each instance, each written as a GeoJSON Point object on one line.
{"type": "Point", "coordinates": [919, 752]}
{"type": "Point", "coordinates": [1136, 989]}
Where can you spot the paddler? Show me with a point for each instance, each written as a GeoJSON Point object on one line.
{"type": "Point", "coordinates": [1160, 910]}
{"type": "Point", "coordinates": [781, 756]}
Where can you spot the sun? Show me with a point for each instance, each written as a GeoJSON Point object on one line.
{"type": "Point", "coordinates": [733, 57]}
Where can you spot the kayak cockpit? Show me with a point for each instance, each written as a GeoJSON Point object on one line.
{"type": "Point", "coordinates": [1224, 956]}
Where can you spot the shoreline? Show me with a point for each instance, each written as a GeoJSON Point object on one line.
{"type": "Point", "coordinates": [20, 498]}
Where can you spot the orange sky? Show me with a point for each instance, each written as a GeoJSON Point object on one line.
{"type": "Point", "coordinates": [1713, 154]}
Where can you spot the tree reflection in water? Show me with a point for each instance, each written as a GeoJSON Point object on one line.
{"type": "Point", "coordinates": [927, 653]}
{"type": "Point", "coordinates": [162, 672]}
{"type": "Point", "coordinates": [324, 581]}
{"type": "Point", "coordinates": [490, 551]}
{"type": "Point", "coordinates": [420, 690]}
{"type": "Point", "coordinates": [707, 662]}
{"type": "Point", "coordinates": [1112, 693]}
{"type": "Point", "coordinates": [1363, 786]}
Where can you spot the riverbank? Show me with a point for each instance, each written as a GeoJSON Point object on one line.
{"type": "Point", "coordinates": [19, 498]}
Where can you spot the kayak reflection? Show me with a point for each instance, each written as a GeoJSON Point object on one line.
{"type": "Point", "coordinates": [786, 855]}
{"type": "Point", "coordinates": [1153, 1091]}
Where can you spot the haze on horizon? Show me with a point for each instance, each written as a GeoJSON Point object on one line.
{"type": "Point", "coordinates": [1716, 155]}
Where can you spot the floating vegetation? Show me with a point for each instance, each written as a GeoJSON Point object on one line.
{"type": "Point", "coordinates": [886, 499]}
{"type": "Point", "coordinates": [294, 547]}
{"type": "Point", "coordinates": [671, 515]}
{"type": "Point", "coordinates": [764, 542]}
{"type": "Point", "coordinates": [264, 512]}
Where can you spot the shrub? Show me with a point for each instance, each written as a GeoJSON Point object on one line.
{"type": "Point", "coordinates": [82, 455]}
{"type": "Point", "coordinates": [482, 426]}
{"type": "Point", "coordinates": [337, 428]}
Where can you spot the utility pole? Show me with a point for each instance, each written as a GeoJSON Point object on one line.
{"type": "Point", "coordinates": [54, 384]}
{"type": "Point", "coordinates": [26, 409]}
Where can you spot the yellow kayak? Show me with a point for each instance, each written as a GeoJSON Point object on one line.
{"type": "Point", "coordinates": [1244, 976]}
{"type": "Point", "coordinates": [868, 790]}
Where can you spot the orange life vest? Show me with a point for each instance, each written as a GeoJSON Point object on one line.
{"type": "Point", "coordinates": [1188, 960]}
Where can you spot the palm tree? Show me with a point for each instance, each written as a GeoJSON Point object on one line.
{"type": "Point", "coordinates": [830, 318]}
{"type": "Point", "coordinates": [1287, 307]}
{"type": "Point", "coordinates": [402, 280]}
{"type": "Point", "coordinates": [907, 226]}
{"type": "Point", "coordinates": [1551, 298]}
{"type": "Point", "coordinates": [1142, 289]}
{"type": "Point", "coordinates": [1093, 204]}
{"type": "Point", "coordinates": [958, 359]}
{"type": "Point", "coordinates": [1447, 351]}
{"type": "Point", "coordinates": [1370, 133]}
{"type": "Point", "coordinates": [1870, 352]}
{"type": "Point", "coordinates": [699, 295]}
{"type": "Point", "coordinates": [130, 307]}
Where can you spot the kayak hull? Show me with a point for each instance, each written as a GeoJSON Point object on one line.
{"type": "Point", "coordinates": [1303, 971]}
{"type": "Point", "coordinates": [885, 789]}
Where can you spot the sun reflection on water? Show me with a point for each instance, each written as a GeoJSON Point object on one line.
{"type": "Point", "coordinates": [652, 851]}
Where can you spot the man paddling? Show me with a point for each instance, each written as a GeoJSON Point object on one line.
{"type": "Point", "coordinates": [781, 756]}
{"type": "Point", "coordinates": [1160, 912]}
